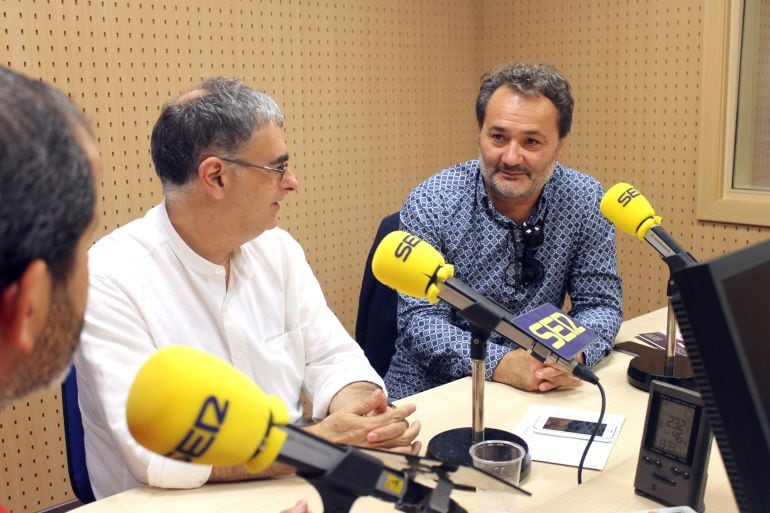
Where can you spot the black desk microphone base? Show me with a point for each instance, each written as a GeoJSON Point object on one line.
{"type": "Point", "coordinates": [650, 364]}
{"type": "Point", "coordinates": [452, 446]}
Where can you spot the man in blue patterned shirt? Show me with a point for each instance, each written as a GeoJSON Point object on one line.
{"type": "Point", "coordinates": [521, 229]}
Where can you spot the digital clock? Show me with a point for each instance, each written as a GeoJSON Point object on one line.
{"type": "Point", "coordinates": [675, 448]}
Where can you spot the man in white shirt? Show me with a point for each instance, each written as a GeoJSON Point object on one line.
{"type": "Point", "coordinates": [208, 268]}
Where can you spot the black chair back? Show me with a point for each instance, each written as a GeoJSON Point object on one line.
{"type": "Point", "coordinates": [376, 321]}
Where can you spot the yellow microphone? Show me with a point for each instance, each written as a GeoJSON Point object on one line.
{"type": "Point", "coordinates": [625, 207]}
{"type": "Point", "coordinates": [189, 405]}
{"type": "Point", "coordinates": [410, 265]}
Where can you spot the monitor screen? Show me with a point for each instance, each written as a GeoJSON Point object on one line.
{"type": "Point", "coordinates": [748, 295]}
{"type": "Point", "coordinates": [723, 309]}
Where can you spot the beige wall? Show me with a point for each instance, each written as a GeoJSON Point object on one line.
{"type": "Point", "coordinates": [378, 95]}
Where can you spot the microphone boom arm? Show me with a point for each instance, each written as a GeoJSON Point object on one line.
{"type": "Point", "coordinates": [672, 252]}
{"type": "Point", "coordinates": [463, 297]}
{"type": "Point", "coordinates": [342, 474]}
{"type": "Point", "coordinates": [675, 257]}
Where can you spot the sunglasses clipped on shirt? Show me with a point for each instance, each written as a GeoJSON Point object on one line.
{"type": "Point", "coordinates": [532, 270]}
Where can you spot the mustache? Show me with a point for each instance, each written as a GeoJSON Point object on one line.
{"type": "Point", "coordinates": [518, 168]}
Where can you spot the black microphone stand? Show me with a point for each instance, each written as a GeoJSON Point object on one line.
{"type": "Point", "coordinates": [453, 445]}
{"type": "Point", "coordinates": [337, 495]}
{"type": "Point", "coordinates": [342, 474]}
{"type": "Point", "coordinates": [650, 364]}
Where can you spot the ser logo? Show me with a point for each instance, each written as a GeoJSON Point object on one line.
{"type": "Point", "coordinates": [558, 328]}
{"type": "Point", "coordinates": [203, 432]}
{"type": "Point", "coordinates": [405, 247]}
{"type": "Point", "coordinates": [626, 196]}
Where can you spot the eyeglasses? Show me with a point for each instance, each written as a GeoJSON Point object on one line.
{"type": "Point", "coordinates": [532, 270]}
{"type": "Point", "coordinates": [281, 169]}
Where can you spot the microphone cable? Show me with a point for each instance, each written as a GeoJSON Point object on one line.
{"type": "Point", "coordinates": [593, 433]}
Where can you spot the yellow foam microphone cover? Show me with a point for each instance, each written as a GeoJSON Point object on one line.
{"type": "Point", "coordinates": [625, 207]}
{"type": "Point", "coordinates": [189, 405]}
{"type": "Point", "coordinates": [410, 265]}
{"type": "Point", "coordinates": [271, 446]}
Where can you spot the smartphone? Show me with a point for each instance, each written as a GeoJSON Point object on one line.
{"type": "Point", "coordinates": [574, 428]}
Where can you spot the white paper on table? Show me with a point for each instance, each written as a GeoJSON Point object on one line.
{"type": "Point", "coordinates": [564, 450]}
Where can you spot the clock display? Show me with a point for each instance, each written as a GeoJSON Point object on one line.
{"type": "Point", "coordinates": [674, 428]}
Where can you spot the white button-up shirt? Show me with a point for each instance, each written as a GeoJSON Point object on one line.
{"type": "Point", "coordinates": [149, 290]}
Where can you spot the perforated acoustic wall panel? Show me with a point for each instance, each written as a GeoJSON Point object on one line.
{"type": "Point", "coordinates": [33, 463]}
{"type": "Point", "coordinates": [635, 70]}
{"type": "Point", "coordinates": [378, 95]}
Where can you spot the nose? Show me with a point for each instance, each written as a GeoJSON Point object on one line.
{"type": "Point", "coordinates": [512, 154]}
{"type": "Point", "coordinates": [289, 180]}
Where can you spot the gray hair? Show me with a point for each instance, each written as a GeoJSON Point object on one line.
{"type": "Point", "coordinates": [217, 117]}
{"type": "Point", "coordinates": [529, 80]}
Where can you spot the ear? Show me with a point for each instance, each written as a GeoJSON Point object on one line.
{"type": "Point", "coordinates": [24, 307]}
{"type": "Point", "coordinates": [211, 173]}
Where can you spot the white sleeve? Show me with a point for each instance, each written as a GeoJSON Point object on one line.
{"type": "Point", "coordinates": [333, 359]}
{"type": "Point", "coordinates": [114, 344]}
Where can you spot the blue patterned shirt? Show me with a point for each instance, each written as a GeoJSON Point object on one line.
{"type": "Point", "coordinates": [452, 211]}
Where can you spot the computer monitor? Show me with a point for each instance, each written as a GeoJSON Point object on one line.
{"type": "Point", "coordinates": [723, 309]}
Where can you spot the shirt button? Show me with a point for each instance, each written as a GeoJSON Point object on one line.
{"type": "Point", "coordinates": [239, 355]}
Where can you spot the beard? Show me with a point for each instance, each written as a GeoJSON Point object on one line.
{"type": "Point", "coordinates": [50, 359]}
{"type": "Point", "coordinates": [505, 189]}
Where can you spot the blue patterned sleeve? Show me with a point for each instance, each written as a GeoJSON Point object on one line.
{"type": "Point", "coordinates": [595, 287]}
{"type": "Point", "coordinates": [428, 333]}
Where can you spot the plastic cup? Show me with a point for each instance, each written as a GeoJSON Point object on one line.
{"type": "Point", "coordinates": [502, 459]}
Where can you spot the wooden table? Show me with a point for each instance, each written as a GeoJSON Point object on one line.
{"type": "Point", "coordinates": [554, 487]}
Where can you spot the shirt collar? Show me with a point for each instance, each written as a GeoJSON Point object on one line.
{"type": "Point", "coordinates": [184, 252]}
